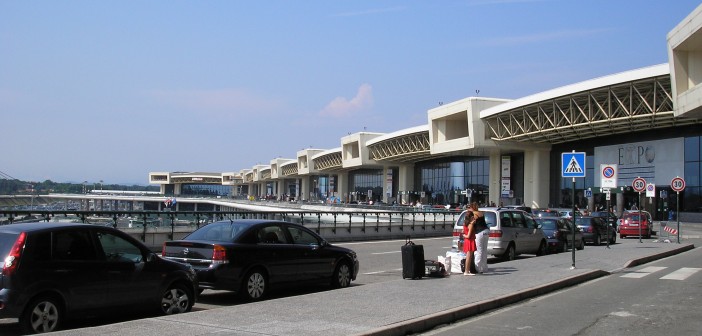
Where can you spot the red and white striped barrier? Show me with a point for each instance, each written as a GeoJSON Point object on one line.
{"type": "Point", "coordinates": [670, 230]}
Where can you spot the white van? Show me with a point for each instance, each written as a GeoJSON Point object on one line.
{"type": "Point", "coordinates": [512, 232]}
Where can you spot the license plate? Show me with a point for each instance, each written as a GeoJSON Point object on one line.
{"type": "Point", "coordinates": [429, 269]}
{"type": "Point", "coordinates": [633, 224]}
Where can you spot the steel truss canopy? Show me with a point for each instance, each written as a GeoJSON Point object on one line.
{"type": "Point", "coordinates": [328, 161]}
{"type": "Point", "coordinates": [410, 145]}
{"type": "Point", "coordinates": [633, 101]}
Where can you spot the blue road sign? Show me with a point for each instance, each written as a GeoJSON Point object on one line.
{"type": "Point", "coordinates": [573, 164]}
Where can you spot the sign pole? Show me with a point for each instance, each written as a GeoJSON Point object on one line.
{"type": "Point", "coordinates": [677, 213]}
{"type": "Point", "coordinates": [640, 220]}
{"type": "Point", "coordinates": [607, 209]}
{"type": "Point", "coordinates": [572, 266]}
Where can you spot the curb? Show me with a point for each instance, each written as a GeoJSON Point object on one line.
{"type": "Point", "coordinates": [449, 316]}
{"type": "Point", "coordinates": [652, 257]}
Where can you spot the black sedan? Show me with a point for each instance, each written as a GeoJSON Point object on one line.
{"type": "Point", "coordinates": [595, 230]}
{"type": "Point", "coordinates": [559, 234]}
{"type": "Point", "coordinates": [248, 256]}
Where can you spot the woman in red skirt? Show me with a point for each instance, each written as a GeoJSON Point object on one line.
{"type": "Point", "coordinates": [469, 246]}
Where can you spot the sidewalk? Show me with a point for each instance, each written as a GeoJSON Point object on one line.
{"type": "Point", "coordinates": [400, 307]}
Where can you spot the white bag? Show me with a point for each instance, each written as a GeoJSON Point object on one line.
{"type": "Point", "coordinates": [455, 265]}
{"type": "Point", "coordinates": [447, 263]}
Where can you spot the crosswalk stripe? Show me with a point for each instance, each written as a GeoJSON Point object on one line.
{"type": "Point", "coordinates": [682, 273]}
{"type": "Point", "coordinates": [643, 272]}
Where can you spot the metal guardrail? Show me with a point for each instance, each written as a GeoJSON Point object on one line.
{"type": "Point", "coordinates": [363, 223]}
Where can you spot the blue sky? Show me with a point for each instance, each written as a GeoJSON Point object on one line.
{"type": "Point", "coordinates": [112, 90]}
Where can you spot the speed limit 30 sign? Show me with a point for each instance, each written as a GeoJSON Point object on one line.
{"type": "Point", "coordinates": [639, 184]}
{"type": "Point", "coordinates": [677, 184]}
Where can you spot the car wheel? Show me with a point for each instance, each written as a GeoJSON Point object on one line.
{"type": "Point", "coordinates": [255, 285]}
{"type": "Point", "coordinates": [621, 236]}
{"type": "Point", "coordinates": [510, 254]}
{"type": "Point", "coordinates": [542, 248]}
{"type": "Point", "coordinates": [44, 314]}
{"type": "Point", "coordinates": [613, 239]}
{"type": "Point", "coordinates": [582, 244]}
{"type": "Point", "coordinates": [176, 299]}
{"type": "Point", "coordinates": [598, 240]}
{"type": "Point", "coordinates": [342, 275]}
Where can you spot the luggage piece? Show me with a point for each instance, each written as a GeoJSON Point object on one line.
{"type": "Point", "coordinates": [434, 269]}
{"type": "Point", "coordinates": [412, 260]}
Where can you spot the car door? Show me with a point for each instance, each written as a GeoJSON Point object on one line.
{"type": "Point", "coordinates": [278, 256]}
{"type": "Point", "coordinates": [316, 262]}
{"type": "Point", "coordinates": [528, 237]}
{"type": "Point", "coordinates": [130, 279]}
{"type": "Point", "coordinates": [68, 261]}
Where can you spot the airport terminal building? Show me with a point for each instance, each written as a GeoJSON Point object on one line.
{"type": "Point", "coordinates": [645, 123]}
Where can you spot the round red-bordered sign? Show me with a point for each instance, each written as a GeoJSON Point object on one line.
{"type": "Point", "coordinates": [677, 184]}
{"type": "Point", "coordinates": [639, 184]}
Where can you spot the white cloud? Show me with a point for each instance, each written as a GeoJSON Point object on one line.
{"type": "Point", "coordinates": [342, 107]}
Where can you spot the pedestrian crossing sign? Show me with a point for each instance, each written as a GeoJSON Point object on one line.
{"type": "Point", "coordinates": [573, 164]}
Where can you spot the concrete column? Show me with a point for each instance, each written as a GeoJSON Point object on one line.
{"type": "Point", "coordinates": [387, 189]}
{"type": "Point", "coordinates": [281, 187]}
{"type": "Point", "coordinates": [536, 178]}
{"type": "Point", "coordinates": [343, 185]}
{"type": "Point", "coordinates": [405, 181]}
{"type": "Point", "coordinates": [305, 187]}
{"type": "Point", "coordinates": [495, 177]}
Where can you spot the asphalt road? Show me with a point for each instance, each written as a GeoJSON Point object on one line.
{"type": "Point", "coordinates": [380, 262]}
{"type": "Point", "coordinates": [658, 298]}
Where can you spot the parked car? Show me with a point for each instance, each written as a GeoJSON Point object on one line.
{"type": "Point", "coordinates": [595, 230]}
{"type": "Point", "coordinates": [609, 217]}
{"type": "Point", "coordinates": [567, 212]}
{"type": "Point", "coordinates": [512, 232]}
{"type": "Point", "coordinates": [56, 271]}
{"type": "Point", "coordinates": [559, 234]}
{"type": "Point", "coordinates": [250, 256]}
{"type": "Point", "coordinates": [629, 224]}
{"type": "Point", "coordinates": [546, 213]}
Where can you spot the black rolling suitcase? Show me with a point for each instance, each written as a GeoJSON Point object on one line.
{"type": "Point", "coordinates": [412, 260]}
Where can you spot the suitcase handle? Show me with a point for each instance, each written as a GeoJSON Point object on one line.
{"type": "Point", "coordinates": [408, 241]}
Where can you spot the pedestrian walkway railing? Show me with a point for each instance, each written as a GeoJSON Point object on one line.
{"type": "Point", "coordinates": [333, 225]}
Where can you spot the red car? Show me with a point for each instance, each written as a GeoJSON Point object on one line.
{"type": "Point", "coordinates": [631, 225]}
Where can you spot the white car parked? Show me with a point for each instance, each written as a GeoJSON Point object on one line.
{"type": "Point", "coordinates": [512, 232]}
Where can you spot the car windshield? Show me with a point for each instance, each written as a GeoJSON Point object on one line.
{"type": "Point", "coordinates": [547, 224]}
{"type": "Point", "coordinates": [219, 231]}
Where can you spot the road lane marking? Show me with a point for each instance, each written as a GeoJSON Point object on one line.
{"type": "Point", "coordinates": [682, 273]}
{"type": "Point", "coordinates": [379, 272]}
{"type": "Point", "coordinates": [643, 272]}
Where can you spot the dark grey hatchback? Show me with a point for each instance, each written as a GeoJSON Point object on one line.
{"type": "Point", "coordinates": [248, 256]}
{"type": "Point", "coordinates": [57, 271]}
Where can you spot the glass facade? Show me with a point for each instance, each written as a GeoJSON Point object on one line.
{"type": "Point", "coordinates": [205, 190]}
{"type": "Point", "coordinates": [366, 185]}
{"type": "Point", "coordinates": [692, 194]}
{"type": "Point", "coordinates": [443, 182]}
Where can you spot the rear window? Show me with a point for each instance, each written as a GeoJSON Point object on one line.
{"type": "Point", "coordinates": [219, 231]}
{"type": "Point", "coordinates": [490, 218]}
{"type": "Point", "coordinates": [582, 221]}
{"type": "Point", "coordinates": [548, 224]}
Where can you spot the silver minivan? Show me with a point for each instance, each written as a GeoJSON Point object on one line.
{"type": "Point", "coordinates": [512, 232]}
